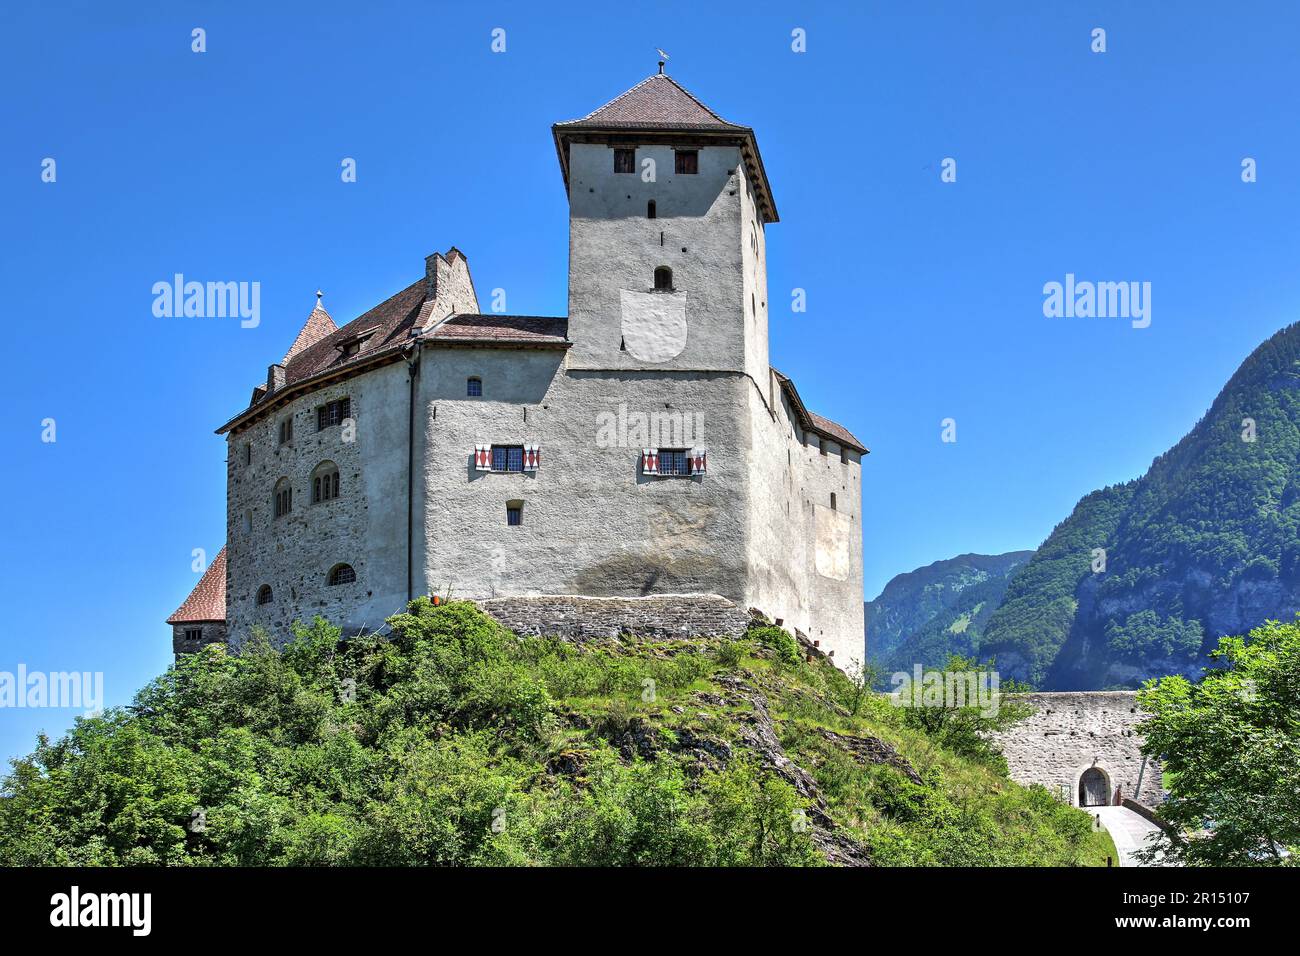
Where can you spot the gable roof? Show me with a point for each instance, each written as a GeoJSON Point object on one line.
{"type": "Point", "coordinates": [207, 602]}
{"type": "Point", "coordinates": [818, 424]}
{"type": "Point", "coordinates": [659, 107]}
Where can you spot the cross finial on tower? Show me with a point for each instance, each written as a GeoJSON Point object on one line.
{"type": "Point", "coordinates": [319, 294]}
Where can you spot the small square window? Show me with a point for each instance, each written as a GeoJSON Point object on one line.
{"type": "Point", "coordinates": [674, 461]}
{"type": "Point", "coordinates": [194, 634]}
{"type": "Point", "coordinates": [507, 457]}
{"type": "Point", "coordinates": [333, 413]}
{"type": "Point", "coordinates": [686, 162]}
{"type": "Point", "coordinates": [474, 387]}
{"type": "Point", "coordinates": [514, 516]}
{"type": "Point", "coordinates": [624, 160]}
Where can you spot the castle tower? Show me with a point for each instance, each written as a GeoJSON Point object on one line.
{"type": "Point", "coordinates": [668, 203]}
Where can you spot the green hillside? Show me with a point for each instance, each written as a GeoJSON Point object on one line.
{"type": "Point", "coordinates": [450, 741]}
{"type": "Point", "coordinates": [1203, 545]}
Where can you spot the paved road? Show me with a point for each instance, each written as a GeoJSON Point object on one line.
{"type": "Point", "coordinates": [1129, 830]}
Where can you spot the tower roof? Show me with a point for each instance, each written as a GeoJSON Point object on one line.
{"type": "Point", "coordinates": [661, 110]}
{"type": "Point", "coordinates": [318, 325]}
{"type": "Point", "coordinates": [657, 102]}
{"type": "Point", "coordinates": [207, 602]}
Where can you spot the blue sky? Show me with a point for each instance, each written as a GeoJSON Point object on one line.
{"type": "Point", "coordinates": [924, 298]}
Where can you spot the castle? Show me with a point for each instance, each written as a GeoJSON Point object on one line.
{"type": "Point", "coordinates": [640, 449]}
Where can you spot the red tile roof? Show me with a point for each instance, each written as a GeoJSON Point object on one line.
{"type": "Point", "coordinates": [660, 106]}
{"type": "Point", "coordinates": [544, 330]}
{"type": "Point", "coordinates": [810, 421]}
{"type": "Point", "coordinates": [207, 602]}
{"type": "Point", "coordinates": [658, 101]}
{"type": "Point", "coordinates": [392, 321]}
{"type": "Point", "coordinates": [835, 430]}
{"type": "Point", "coordinates": [318, 325]}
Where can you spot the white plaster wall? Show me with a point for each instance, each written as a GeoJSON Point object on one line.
{"type": "Point", "coordinates": [592, 522]}
{"type": "Point", "coordinates": [614, 248]}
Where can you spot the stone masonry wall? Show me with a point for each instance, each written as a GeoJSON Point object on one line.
{"type": "Point", "coordinates": [1070, 732]}
{"type": "Point", "coordinates": [211, 632]}
{"type": "Point", "coordinates": [586, 618]}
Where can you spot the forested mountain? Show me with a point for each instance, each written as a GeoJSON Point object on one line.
{"type": "Point", "coordinates": [923, 615]}
{"type": "Point", "coordinates": [1203, 545]}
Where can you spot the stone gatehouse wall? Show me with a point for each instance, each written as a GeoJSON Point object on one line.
{"type": "Point", "coordinates": [587, 618]}
{"type": "Point", "coordinates": [1070, 732]}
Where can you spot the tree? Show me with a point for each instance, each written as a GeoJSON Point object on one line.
{"type": "Point", "coordinates": [1231, 744]}
{"type": "Point", "coordinates": [965, 727]}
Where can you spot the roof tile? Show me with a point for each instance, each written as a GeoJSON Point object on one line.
{"type": "Point", "coordinates": [207, 602]}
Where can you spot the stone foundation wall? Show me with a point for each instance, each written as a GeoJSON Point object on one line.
{"type": "Point", "coordinates": [587, 618]}
{"type": "Point", "coordinates": [1070, 732]}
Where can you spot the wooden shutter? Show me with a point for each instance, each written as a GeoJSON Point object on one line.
{"type": "Point", "coordinates": [699, 460]}
{"type": "Point", "coordinates": [482, 457]}
{"type": "Point", "coordinates": [532, 454]}
{"type": "Point", "coordinates": [649, 461]}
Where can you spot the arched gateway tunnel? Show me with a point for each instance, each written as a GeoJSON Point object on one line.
{"type": "Point", "coordinates": [1083, 747]}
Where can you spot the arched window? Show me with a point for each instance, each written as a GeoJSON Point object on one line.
{"type": "Point", "coordinates": [264, 595]}
{"type": "Point", "coordinates": [663, 279]}
{"type": "Point", "coordinates": [650, 211]}
{"type": "Point", "coordinates": [324, 482]}
{"type": "Point", "coordinates": [342, 574]}
{"type": "Point", "coordinates": [474, 387]}
{"type": "Point", "coordinates": [283, 497]}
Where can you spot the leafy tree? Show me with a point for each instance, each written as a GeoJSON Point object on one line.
{"type": "Point", "coordinates": [1230, 744]}
{"type": "Point", "coordinates": [966, 727]}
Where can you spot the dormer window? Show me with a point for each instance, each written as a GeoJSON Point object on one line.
{"type": "Point", "coordinates": [625, 160]}
{"type": "Point", "coordinates": [351, 345]}
{"type": "Point", "coordinates": [663, 279]}
{"type": "Point", "coordinates": [686, 162]}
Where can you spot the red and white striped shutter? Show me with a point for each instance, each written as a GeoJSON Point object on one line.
{"type": "Point", "coordinates": [532, 454]}
{"type": "Point", "coordinates": [649, 461]}
{"type": "Point", "coordinates": [483, 457]}
{"type": "Point", "coordinates": [699, 460]}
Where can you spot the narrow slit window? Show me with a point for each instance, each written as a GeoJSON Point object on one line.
{"type": "Point", "coordinates": [651, 211]}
